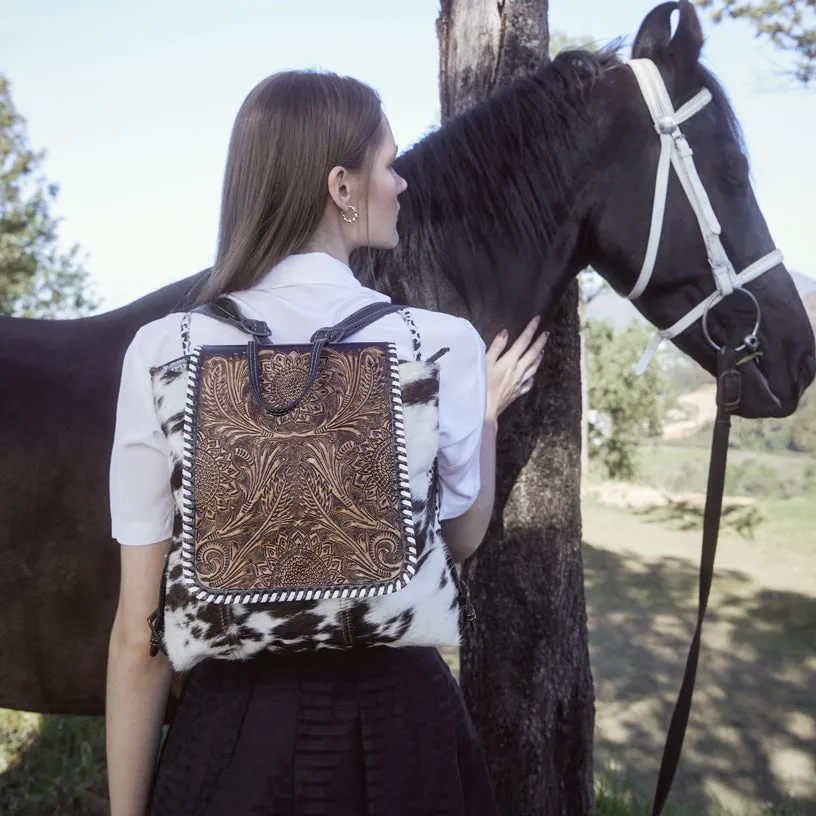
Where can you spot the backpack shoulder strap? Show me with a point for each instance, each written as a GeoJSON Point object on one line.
{"type": "Point", "coordinates": [416, 339]}
{"type": "Point", "coordinates": [354, 322]}
{"type": "Point", "coordinates": [228, 312]}
{"type": "Point", "coordinates": [186, 345]}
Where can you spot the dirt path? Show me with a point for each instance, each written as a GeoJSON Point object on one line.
{"type": "Point", "coordinates": [700, 407]}
{"type": "Point", "coordinates": [752, 736]}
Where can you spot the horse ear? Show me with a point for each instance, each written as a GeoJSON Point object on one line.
{"type": "Point", "coordinates": [655, 33]}
{"type": "Point", "coordinates": [688, 39]}
{"type": "Point", "coordinates": [655, 42]}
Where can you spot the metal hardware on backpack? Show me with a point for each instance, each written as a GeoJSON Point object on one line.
{"type": "Point", "coordinates": [300, 532]}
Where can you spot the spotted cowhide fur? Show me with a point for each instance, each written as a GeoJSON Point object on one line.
{"type": "Point", "coordinates": [424, 613]}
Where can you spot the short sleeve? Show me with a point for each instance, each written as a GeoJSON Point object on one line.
{"type": "Point", "coordinates": [141, 499]}
{"type": "Point", "coordinates": [462, 404]}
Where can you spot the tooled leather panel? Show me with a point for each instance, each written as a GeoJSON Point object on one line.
{"type": "Point", "coordinates": [308, 499]}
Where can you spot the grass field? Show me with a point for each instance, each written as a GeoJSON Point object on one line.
{"type": "Point", "coordinates": [751, 742]}
{"type": "Point", "coordinates": [679, 468]}
{"type": "Point", "coordinates": [751, 745]}
{"type": "Point", "coordinates": [52, 766]}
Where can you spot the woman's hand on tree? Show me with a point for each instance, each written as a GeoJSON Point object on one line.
{"type": "Point", "coordinates": [511, 371]}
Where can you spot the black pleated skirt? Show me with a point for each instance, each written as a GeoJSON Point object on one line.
{"type": "Point", "coordinates": [368, 732]}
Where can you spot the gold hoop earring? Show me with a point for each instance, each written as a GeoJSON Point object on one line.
{"type": "Point", "coordinates": [354, 215]}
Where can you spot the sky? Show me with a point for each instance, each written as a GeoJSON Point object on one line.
{"type": "Point", "coordinates": [134, 102]}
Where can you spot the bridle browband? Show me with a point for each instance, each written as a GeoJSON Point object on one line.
{"type": "Point", "coordinates": [676, 152]}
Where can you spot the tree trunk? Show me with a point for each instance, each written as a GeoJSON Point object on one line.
{"type": "Point", "coordinates": [582, 330]}
{"type": "Point", "coordinates": [525, 670]}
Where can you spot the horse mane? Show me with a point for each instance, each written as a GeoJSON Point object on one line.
{"type": "Point", "coordinates": [528, 139]}
{"type": "Point", "coordinates": [721, 100]}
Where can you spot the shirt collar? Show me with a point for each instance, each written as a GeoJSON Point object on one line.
{"type": "Point", "coordinates": [308, 268]}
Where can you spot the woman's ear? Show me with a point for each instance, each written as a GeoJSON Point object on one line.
{"type": "Point", "coordinates": [342, 187]}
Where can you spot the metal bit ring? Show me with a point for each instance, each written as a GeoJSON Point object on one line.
{"type": "Point", "coordinates": [751, 340]}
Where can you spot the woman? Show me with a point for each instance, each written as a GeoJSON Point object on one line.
{"type": "Point", "coordinates": [309, 179]}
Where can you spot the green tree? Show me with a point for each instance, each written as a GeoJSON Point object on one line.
{"type": "Point", "coordinates": [795, 433]}
{"type": "Point", "coordinates": [561, 41]}
{"type": "Point", "coordinates": [789, 24]}
{"type": "Point", "coordinates": [624, 408]}
{"type": "Point", "coordinates": [37, 279]}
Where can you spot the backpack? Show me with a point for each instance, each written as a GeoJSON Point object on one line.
{"type": "Point", "coordinates": [307, 499]}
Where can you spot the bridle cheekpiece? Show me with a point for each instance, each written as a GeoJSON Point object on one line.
{"type": "Point", "coordinates": [676, 152]}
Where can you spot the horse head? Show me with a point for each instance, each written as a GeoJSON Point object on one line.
{"type": "Point", "coordinates": [686, 254]}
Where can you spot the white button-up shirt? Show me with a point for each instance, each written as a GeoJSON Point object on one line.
{"type": "Point", "coordinates": [301, 294]}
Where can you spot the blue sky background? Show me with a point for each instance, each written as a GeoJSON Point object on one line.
{"type": "Point", "coordinates": [134, 105]}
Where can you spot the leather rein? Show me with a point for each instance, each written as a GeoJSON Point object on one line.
{"type": "Point", "coordinates": [676, 152]}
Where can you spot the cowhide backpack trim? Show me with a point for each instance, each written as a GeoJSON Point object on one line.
{"type": "Point", "coordinates": [425, 613]}
{"type": "Point", "coordinates": [416, 340]}
{"type": "Point", "coordinates": [248, 596]}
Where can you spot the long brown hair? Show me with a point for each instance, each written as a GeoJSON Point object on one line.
{"type": "Point", "coordinates": [291, 130]}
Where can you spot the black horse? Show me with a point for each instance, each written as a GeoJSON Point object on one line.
{"type": "Point", "coordinates": [504, 206]}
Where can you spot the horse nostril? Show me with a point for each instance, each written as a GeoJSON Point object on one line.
{"type": "Point", "coordinates": [807, 372]}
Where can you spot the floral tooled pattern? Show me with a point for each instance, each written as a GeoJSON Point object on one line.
{"type": "Point", "coordinates": [216, 478]}
{"type": "Point", "coordinates": [306, 499]}
{"type": "Point", "coordinates": [373, 469]}
{"type": "Point", "coordinates": [301, 560]}
{"type": "Point", "coordinates": [384, 552]}
{"type": "Point", "coordinates": [283, 377]}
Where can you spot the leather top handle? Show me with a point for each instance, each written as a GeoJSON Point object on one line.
{"type": "Point", "coordinates": [331, 334]}
{"type": "Point", "coordinates": [226, 311]}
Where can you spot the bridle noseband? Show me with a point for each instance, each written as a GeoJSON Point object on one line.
{"type": "Point", "coordinates": [676, 152]}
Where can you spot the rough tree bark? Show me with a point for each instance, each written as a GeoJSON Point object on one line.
{"type": "Point", "coordinates": [525, 670]}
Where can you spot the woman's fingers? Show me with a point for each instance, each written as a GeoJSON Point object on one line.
{"type": "Point", "coordinates": [533, 354]}
{"type": "Point", "coordinates": [497, 346]}
{"type": "Point", "coordinates": [526, 386]}
{"type": "Point", "coordinates": [524, 340]}
{"type": "Point", "coordinates": [511, 371]}
{"type": "Point", "coordinates": [521, 345]}
{"type": "Point", "coordinates": [511, 356]}
{"type": "Point", "coordinates": [532, 369]}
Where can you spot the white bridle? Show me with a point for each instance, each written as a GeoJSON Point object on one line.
{"type": "Point", "coordinates": [675, 151]}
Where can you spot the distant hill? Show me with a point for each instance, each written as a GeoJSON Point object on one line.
{"type": "Point", "coordinates": [618, 311]}
{"type": "Point", "coordinates": [804, 284]}
{"type": "Point", "coordinates": [689, 389]}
